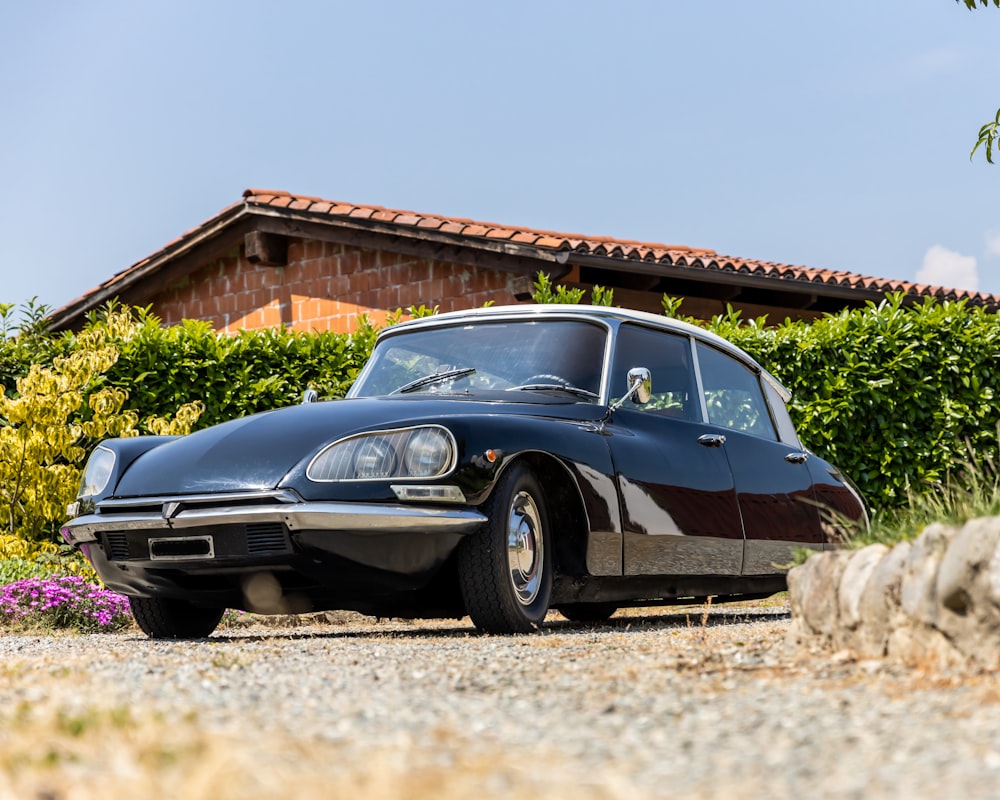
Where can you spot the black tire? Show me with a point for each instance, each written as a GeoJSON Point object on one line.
{"type": "Point", "coordinates": [505, 568]}
{"type": "Point", "coordinates": [588, 612]}
{"type": "Point", "coordinates": [161, 618]}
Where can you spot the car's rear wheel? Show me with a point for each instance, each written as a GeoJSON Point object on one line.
{"type": "Point", "coordinates": [588, 612]}
{"type": "Point", "coordinates": [505, 569]}
{"type": "Point", "coordinates": [161, 618]}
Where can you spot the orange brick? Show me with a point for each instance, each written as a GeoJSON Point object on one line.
{"type": "Point", "coordinates": [394, 275]}
{"type": "Point", "coordinates": [348, 262]}
{"type": "Point", "coordinates": [312, 249]}
{"type": "Point", "coordinates": [360, 281]}
{"type": "Point", "coordinates": [311, 309]}
{"type": "Point", "coordinates": [310, 269]}
{"type": "Point", "coordinates": [261, 297]}
{"type": "Point", "coordinates": [270, 316]}
{"type": "Point", "coordinates": [226, 301]}
{"type": "Point", "coordinates": [339, 285]}
{"type": "Point", "coordinates": [421, 271]}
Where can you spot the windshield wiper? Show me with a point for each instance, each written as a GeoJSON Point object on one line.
{"type": "Point", "coordinates": [437, 377]}
{"type": "Point", "coordinates": [555, 387]}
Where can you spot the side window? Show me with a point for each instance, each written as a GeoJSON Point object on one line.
{"type": "Point", "coordinates": [786, 430]}
{"type": "Point", "coordinates": [668, 358]}
{"type": "Point", "coordinates": [733, 394]}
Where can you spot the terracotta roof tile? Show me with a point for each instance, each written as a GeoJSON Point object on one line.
{"type": "Point", "coordinates": [524, 237]}
{"type": "Point", "coordinates": [430, 223]}
{"type": "Point", "coordinates": [452, 226]}
{"type": "Point", "coordinates": [622, 249]}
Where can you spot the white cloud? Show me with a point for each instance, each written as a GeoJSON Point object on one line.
{"type": "Point", "coordinates": [940, 61]}
{"type": "Point", "coordinates": [993, 244]}
{"type": "Point", "coordinates": [944, 267]}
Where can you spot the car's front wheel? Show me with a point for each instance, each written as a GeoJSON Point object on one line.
{"type": "Point", "coordinates": [161, 618]}
{"type": "Point", "coordinates": [505, 569]}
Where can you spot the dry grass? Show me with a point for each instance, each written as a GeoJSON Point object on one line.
{"type": "Point", "coordinates": [53, 749]}
{"type": "Point", "coordinates": [112, 754]}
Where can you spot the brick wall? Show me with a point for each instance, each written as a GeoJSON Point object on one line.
{"type": "Point", "coordinates": [325, 286]}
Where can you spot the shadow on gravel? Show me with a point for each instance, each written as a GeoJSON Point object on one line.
{"type": "Point", "coordinates": [631, 620]}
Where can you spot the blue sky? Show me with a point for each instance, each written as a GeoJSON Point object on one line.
{"type": "Point", "coordinates": [830, 134]}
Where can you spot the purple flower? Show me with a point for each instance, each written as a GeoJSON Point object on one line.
{"type": "Point", "coordinates": [66, 601]}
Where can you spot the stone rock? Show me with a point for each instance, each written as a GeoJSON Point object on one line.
{"type": "Point", "coordinates": [815, 591]}
{"type": "Point", "coordinates": [879, 602]}
{"type": "Point", "coordinates": [967, 557]}
{"type": "Point", "coordinates": [918, 592]}
{"type": "Point", "coordinates": [859, 569]}
{"type": "Point", "coordinates": [800, 585]}
{"type": "Point", "coordinates": [932, 602]}
{"type": "Point", "coordinates": [967, 615]}
{"type": "Point", "coordinates": [993, 578]}
{"type": "Point", "coordinates": [922, 646]}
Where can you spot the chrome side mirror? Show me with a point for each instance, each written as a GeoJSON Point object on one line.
{"type": "Point", "coordinates": [640, 388]}
{"type": "Point", "coordinates": [310, 396]}
{"type": "Point", "coordinates": [640, 385]}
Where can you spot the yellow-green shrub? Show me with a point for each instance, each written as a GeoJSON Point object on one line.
{"type": "Point", "coordinates": [54, 413]}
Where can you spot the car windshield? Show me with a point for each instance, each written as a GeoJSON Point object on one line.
{"type": "Point", "coordinates": [563, 356]}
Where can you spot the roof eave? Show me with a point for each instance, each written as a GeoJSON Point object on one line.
{"type": "Point", "coordinates": [69, 315]}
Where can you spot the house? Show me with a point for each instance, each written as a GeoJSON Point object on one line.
{"type": "Point", "coordinates": [275, 258]}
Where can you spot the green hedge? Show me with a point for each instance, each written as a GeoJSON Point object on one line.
{"type": "Point", "coordinates": [895, 396]}
{"type": "Point", "coordinates": [255, 370]}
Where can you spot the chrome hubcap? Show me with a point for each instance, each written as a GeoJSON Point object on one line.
{"type": "Point", "coordinates": [525, 553]}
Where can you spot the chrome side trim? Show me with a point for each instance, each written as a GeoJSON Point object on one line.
{"type": "Point", "coordinates": [334, 517]}
{"type": "Point", "coordinates": [767, 557]}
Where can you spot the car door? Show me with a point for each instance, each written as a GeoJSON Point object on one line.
{"type": "Point", "coordinates": [774, 487]}
{"type": "Point", "coordinates": [678, 498]}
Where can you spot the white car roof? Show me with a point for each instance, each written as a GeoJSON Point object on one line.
{"type": "Point", "coordinates": [607, 314]}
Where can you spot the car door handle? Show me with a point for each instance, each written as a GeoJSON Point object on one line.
{"type": "Point", "coordinates": [797, 458]}
{"type": "Point", "coordinates": [712, 440]}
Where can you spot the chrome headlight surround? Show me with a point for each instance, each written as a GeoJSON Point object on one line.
{"type": "Point", "coordinates": [420, 452]}
{"type": "Point", "coordinates": [100, 467]}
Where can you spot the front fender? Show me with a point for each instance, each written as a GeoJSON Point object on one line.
{"type": "Point", "coordinates": [579, 451]}
{"type": "Point", "coordinates": [126, 451]}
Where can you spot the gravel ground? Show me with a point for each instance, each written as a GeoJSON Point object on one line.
{"type": "Point", "coordinates": [694, 703]}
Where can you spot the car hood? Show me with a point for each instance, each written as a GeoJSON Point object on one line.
{"type": "Point", "coordinates": [258, 451]}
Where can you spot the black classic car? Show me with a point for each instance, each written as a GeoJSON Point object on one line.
{"type": "Point", "coordinates": [498, 463]}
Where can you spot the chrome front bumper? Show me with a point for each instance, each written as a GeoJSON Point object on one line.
{"type": "Point", "coordinates": [356, 518]}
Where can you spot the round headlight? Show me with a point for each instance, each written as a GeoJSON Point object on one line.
{"type": "Point", "coordinates": [420, 452]}
{"type": "Point", "coordinates": [428, 453]}
{"type": "Point", "coordinates": [98, 473]}
{"type": "Point", "coordinates": [374, 458]}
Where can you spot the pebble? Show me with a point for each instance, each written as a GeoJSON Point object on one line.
{"type": "Point", "coordinates": [652, 704]}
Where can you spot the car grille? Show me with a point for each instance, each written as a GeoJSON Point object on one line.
{"type": "Point", "coordinates": [227, 541]}
{"type": "Point", "coordinates": [266, 537]}
{"type": "Point", "coordinates": [117, 546]}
